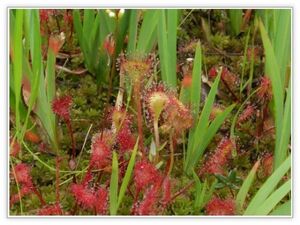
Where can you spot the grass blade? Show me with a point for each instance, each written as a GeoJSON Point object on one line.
{"type": "Point", "coordinates": [267, 206]}
{"type": "Point", "coordinates": [272, 69]}
{"type": "Point", "coordinates": [147, 31]}
{"type": "Point", "coordinates": [113, 190]}
{"type": "Point", "coordinates": [128, 174]}
{"type": "Point", "coordinates": [283, 209]}
{"type": "Point", "coordinates": [242, 194]}
{"type": "Point", "coordinates": [196, 80]}
{"type": "Point", "coordinates": [267, 188]}
{"type": "Point", "coordinates": [163, 49]}
{"type": "Point", "coordinates": [192, 153]}
{"type": "Point", "coordinates": [282, 42]}
{"type": "Point", "coordinates": [215, 125]}
{"type": "Point", "coordinates": [236, 19]}
{"type": "Point", "coordinates": [132, 34]}
{"type": "Point", "coordinates": [17, 64]}
{"type": "Point", "coordinates": [172, 22]}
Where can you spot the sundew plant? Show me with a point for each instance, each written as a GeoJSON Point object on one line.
{"type": "Point", "coordinates": [150, 112]}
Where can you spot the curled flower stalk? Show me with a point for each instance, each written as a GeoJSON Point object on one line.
{"type": "Point", "coordinates": [156, 98]}
{"type": "Point", "coordinates": [136, 67]}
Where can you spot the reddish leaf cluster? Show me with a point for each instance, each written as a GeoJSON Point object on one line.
{"type": "Point", "coordinates": [177, 115]}
{"type": "Point", "coordinates": [45, 13]}
{"type": "Point", "coordinates": [228, 77]}
{"type": "Point", "coordinates": [109, 44]}
{"type": "Point", "coordinates": [90, 199]}
{"type": "Point", "coordinates": [147, 205]}
{"type": "Point", "coordinates": [215, 162]}
{"type": "Point", "coordinates": [156, 187]}
{"type": "Point", "coordinates": [68, 17]}
{"type": "Point", "coordinates": [15, 148]}
{"type": "Point", "coordinates": [246, 114]}
{"type": "Point", "coordinates": [61, 107]}
{"type": "Point", "coordinates": [136, 66]}
{"type": "Point", "coordinates": [213, 72]}
{"type": "Point", "coordinates": [23, 177]}
{"type": "Point", "coordinates": [121, 123]}
{"type": "Point", "coordinates": [267, 164]}
{"type": "Point", "coordinates": [51, 210]}
{"type": "Point", "coordinates": [145, 174]}
{"type": "Point", "coordinates": [155, 198]}
{"type": "Point", "coordinates": [22, 174]}
{"type": "Point", "coordinates": [265, 89]}
{"type": "Point", "coordinates": [159, 100]}
{"type": "Point", "coordinates": [32, 137]}
{"type": "Point", "coordinates": [217, 109]}
{"type": "Point", "coordinates": [125, 138]}
{"type": "Point", "coordinates": [187, 81]}
{"type": "Point", "coordinates": [101, 152]}
{"type": "Point", "coordinates": [219, 207]}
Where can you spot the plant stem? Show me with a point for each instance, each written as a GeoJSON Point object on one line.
{"type": "Point", "coordinates": [38, 194]}
{"type": "Point", "coordinates": [57, 179]}
{"type": "Point", "coordinates": [181, 191]}
{"type": "Point", "coordinates": [72, 138]}
{"type": "Point", "coordinates": [139, 114]}
{"type": "Point", "coordinates": [171, 153]}
{"type": "Point", "coordinates": [156, 135]}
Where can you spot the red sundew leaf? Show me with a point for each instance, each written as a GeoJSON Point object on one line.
{"type": "Point", "coordinates": [101, 153]}
{"type": "Point", "coordinates": [23, 176]}
{"type": "Point", "coordinates": [144, 174]}
{"type": "Point", "coordinates": [177, 115]}
{"type": "Point", "coordinates": [32, 137]}
{"type": "Point", "coordinates": [125, 138]}
{"type": "Point", "coordinates": [109, 44]}
{"type": "Point", "coordinates": [229, 78]}
{"type": "Point", "coordinates": [25, 190]}
{"type": "Point", "coordinates": [216, 110]}
{"type": "Point", "coordinates": [15, 148]}
{"type": "Point", "coordinates": [136, 66]}
{"type": "Point", "coordinates": [61, 107]}
{"type": "Point", "coordinates": [246, 114]}
{"type": "Point", "coordinates": [265, 89]}
{"type": "Point", "coordinates": [101, 203]}
{"type": "Point", "coordinates": [50, 210]}
{"type": "Point", "coordinates": [219, 207]}
{"type": "Point", "coordinates": [148, 206]}
{"type": "Point", "coordinates": [187, 81]}
{"type": "Point", "coordinates": [213, 72]}
{"type": "Point", "coordinates": [68, 17]}
{"type": "Point", "coordinates": [84, 196]}
{"type": "Point", "coordinates": [267, 164]}
{"type": "Point", "coordinates": [215, 162]}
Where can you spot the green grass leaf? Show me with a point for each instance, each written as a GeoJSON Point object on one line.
{"type": "Point", "coordinates": [113, 189]}
{"type": "Point", "coordinates": [196, 80]}
{"type": "Point", "coordinates": [283, 209]}
{"type": "Point", "coordinates": [268, 187]}
{"type": "Point", "coordinates": [266, 207]}
{"type": "Point", "coordinates": [128, 174]}
{"type": "Point", "coordinates": [164, 51]}
{"type": "Point", "coordinates": [17, 63]}
{"type": "Point", "coordinates": [148, 28]}
{"type": "Point", "coordinates": [242, 194]}
{"type": "Point", "coordinates": [236, 19]}
{"type": "Point", "coordinates": [132, 31]}
{"type": "Point", "coordinates": [196, 137]}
